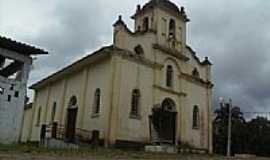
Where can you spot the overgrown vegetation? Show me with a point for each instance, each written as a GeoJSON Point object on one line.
{"type": "Point", "coordinates": [85, 151]}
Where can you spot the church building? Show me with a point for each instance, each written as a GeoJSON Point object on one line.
{"type": "Point", "coordinates": [148, 87]}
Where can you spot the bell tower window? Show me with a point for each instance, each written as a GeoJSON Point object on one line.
{"type": "Point", "coordinates": [146, 24]}
{"type": "Point", "coordinates": [172, 28]}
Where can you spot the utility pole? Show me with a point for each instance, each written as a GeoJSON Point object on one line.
{"type": "Point", "coordinates": [229, 129]}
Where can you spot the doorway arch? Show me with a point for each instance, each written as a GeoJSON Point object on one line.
{"type": "Point", "coordinates": [70, 127]}
{"type": "Point", "coordinates": [164, 121]}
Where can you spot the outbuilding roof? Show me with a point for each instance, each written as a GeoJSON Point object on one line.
{"type": "Point", "coordinates": [19, 47]}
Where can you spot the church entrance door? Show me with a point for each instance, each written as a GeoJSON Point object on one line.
{"type": "Point", "coordinates": [164, 121]}
{"type": "Point", "coordinates": [72, 111]}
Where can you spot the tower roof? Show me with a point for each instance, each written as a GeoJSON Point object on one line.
{"type": "Point", "coordinates": [165, 4]}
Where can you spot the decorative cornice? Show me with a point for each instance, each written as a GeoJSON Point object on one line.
{"type": "Point", "coordinates": [197, 80]}
{"type": "Point", "coordinates": [164, 5]}
{"type": "Point", "coordinates": [170, 90]}
{"type": "Point", "coordinates": [128, 55]}
{"type": "Point", "coordinates": [193, 53]}
{"type": "Point", "coordinates": [171, 52]}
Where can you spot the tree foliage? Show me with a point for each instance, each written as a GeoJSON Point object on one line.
{"type": "Point", "coordinates": [247, 137]}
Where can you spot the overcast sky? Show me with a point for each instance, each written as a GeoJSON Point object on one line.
{"type": "Point", "coordinates": [234, 34]}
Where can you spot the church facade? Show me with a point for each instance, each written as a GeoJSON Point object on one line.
{"type": "Point", "coordinates": [148, 87]}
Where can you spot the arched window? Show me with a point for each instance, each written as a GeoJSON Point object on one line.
{"type": "Point", "coordinates": [138, 50]}
{"type": "Point", "coordinates": [195, 123]}
{"type": "Point", "coordinates": [146, 24]}
{"type": "Point", "coordinates": [139, 28]}
{"type": "Point", "coordinates": [169, 76]}
{"type": "Point", "coordinates": [168, 105]}
{"type": "Point", "coordinates": [96, 108]}
{"type": "Point", "coordinates": [195, 73]}
{"type": "Point", "coordinates": [73, 101]}
{"type": "Point", "coordinates": [172, 28]}
{"type": "Point", "coordinates": [53, 111]}
{"type": "Point", "coordinates": [135, 100]}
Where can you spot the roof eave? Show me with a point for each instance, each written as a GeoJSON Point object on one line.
{"type": "Point", "coordinates": [70, 69]}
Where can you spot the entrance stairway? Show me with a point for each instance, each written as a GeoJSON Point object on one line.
{"type": "Point", "coordinates": [54, 136]}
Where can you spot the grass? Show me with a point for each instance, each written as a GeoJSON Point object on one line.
{"type": "Point", "coordinates": [87, 151]}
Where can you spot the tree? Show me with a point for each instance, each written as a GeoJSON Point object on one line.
{"type": "Point", "coordinates": [259, 136]}
{"type": "Point", "coordinates": [221, 129]}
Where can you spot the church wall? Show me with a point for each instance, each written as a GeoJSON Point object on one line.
{"type": "Point", "coordinates": [54, 97]}
{"type": "Point", "coordinates": [40, 102]}
{"type": "Point", "coordinates": [196, 95]}
{"type": "Point", "coordinates": [129, 42]}
{"type": "Point", "coordinates": [98, 77]}
{"type": "Point", "coordinates": [193, 63]}
{"type": "Point", "coordinates": [135, 76]}
{"type": "Point", "coordinates": [81, 84]}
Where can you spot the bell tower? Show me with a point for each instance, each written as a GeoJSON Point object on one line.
{"type": "Point", "coordinates": [166, 20]}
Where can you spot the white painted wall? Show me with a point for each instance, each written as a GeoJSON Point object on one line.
{"type": "Point", "coordinates": [11, 109]}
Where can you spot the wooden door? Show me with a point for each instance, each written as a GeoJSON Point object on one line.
{"type": "Point", "coordinates": [71, 124]}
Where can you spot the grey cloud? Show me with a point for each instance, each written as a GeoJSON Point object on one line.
{"type": "Point", "coordinates": [234, 34]}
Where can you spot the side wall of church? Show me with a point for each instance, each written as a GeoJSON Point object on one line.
{"type": "Point", "coordinates": [81, 84]}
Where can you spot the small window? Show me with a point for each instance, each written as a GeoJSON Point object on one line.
{"type": "Point", "coordinates": [146, 24]}
{"type": "Point", "coordinates": [53, 111]}
{"type": "Point", "coordinates": [38, 116]}
{"type": "Point", "coordinates": [9, 98]}
{"type": "Point", "coordinates": [195, 123]}
{"type": "Point", "coordinates": [96, 108]}
{"type": "Point", "coordinates": [138, 50]}
{"type": "Point", "coordinates": [2, 91]}
{"type": "Point", "coordinates": [135, 100]}
{"type": "Point", "coordinates": [11, 87]}
{"type": "Point", "coordinates": [195, 73]}
{"type": "Point", "coordinates": [16, 94]}
{"type": "Point", "coordinates": [169, 76]}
